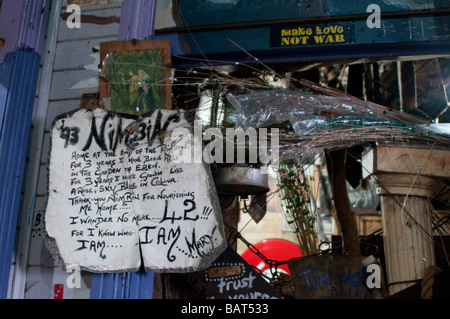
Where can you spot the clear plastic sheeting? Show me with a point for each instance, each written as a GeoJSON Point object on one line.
{"type": "Point", "coordinates": [441, 129]}
{"type": "Point", "coordinates": [107, 66]}
{"type": "Point", "coordinates": [310, 112]}
{"type": "Point", "coordinates": [329, 122]}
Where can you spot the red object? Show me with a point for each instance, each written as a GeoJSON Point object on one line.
{"type": "Point", "coordinates": [274, 249]}
{"type": "Point", "coordinates": [58, 291]}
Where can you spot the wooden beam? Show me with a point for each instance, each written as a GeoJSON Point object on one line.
{"type": "Point", "coordinates": [336, 166]}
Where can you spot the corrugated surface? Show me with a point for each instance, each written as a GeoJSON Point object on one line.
{"type": "Point", "coordinates": [31, 219]}
{"type": "Point", "coordinates": [15, 133]}
{"type": "Point", "coordinates": [22, 69]}
{"type": "Point", "coordinates": [138, 285]}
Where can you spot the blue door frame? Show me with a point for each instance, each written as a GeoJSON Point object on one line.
{"type": "Point", "coordinates": [277, 31]}
{"type": "Point", "coordinates": [23, 26]}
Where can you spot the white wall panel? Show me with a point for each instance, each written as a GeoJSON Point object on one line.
{"type": "Point", "coordinates": [73, 84]}
{"type": "Point", "coordinates": [56, 108]}
{"type": "Point", "coordinates": [82, 54]}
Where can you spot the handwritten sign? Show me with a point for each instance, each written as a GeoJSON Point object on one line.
{"type": "Point", "coordinates": [295, 35]}
{"type": "Point", "coordinates": [117, 198]}
{"type": "Point", "coordinates": [231, 277]}
{"type": "Point", "coordinates": [330, 277]}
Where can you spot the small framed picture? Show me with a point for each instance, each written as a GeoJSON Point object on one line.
{"type": "Point", "coordinates": [135, 76]}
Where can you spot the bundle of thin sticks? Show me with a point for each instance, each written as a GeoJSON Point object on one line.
{"type": "Point", "coordinates": [297, 207]}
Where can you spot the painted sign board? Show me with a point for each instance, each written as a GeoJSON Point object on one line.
{"type": "Point", "coordinates": [231, 277]}
{"type": "Point", "coordinates": [229, 30]}
{"type": "Point", "coordinates": [312, 34]}
{"type": "Point", "coordinates": [119, 200]}
{"type": "Point", "coordinates": [330, 277]}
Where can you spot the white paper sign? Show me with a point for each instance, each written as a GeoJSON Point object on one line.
{"type": "Point", "coordinates": [117, 198]}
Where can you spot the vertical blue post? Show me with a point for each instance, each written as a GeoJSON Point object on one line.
{"type": "Point", "coordinates": [137, 19]}
{"type": "Point", "coordinates": [136, 22]}
{"type": "Point", "coordinates": [130, 285]}
{"type": "Point", "coordinates": [23, 25]}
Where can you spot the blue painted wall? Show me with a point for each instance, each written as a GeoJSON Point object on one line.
{"type": "Point", "coordinates": [22, 24]}
{"type": "Point", "coordinates": [13, 151]}
{"type": "Point", "coordinates": [226, 30]}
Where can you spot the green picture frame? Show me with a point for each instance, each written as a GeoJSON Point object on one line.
{"type": "Point", "coordinates": [135, 76]}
